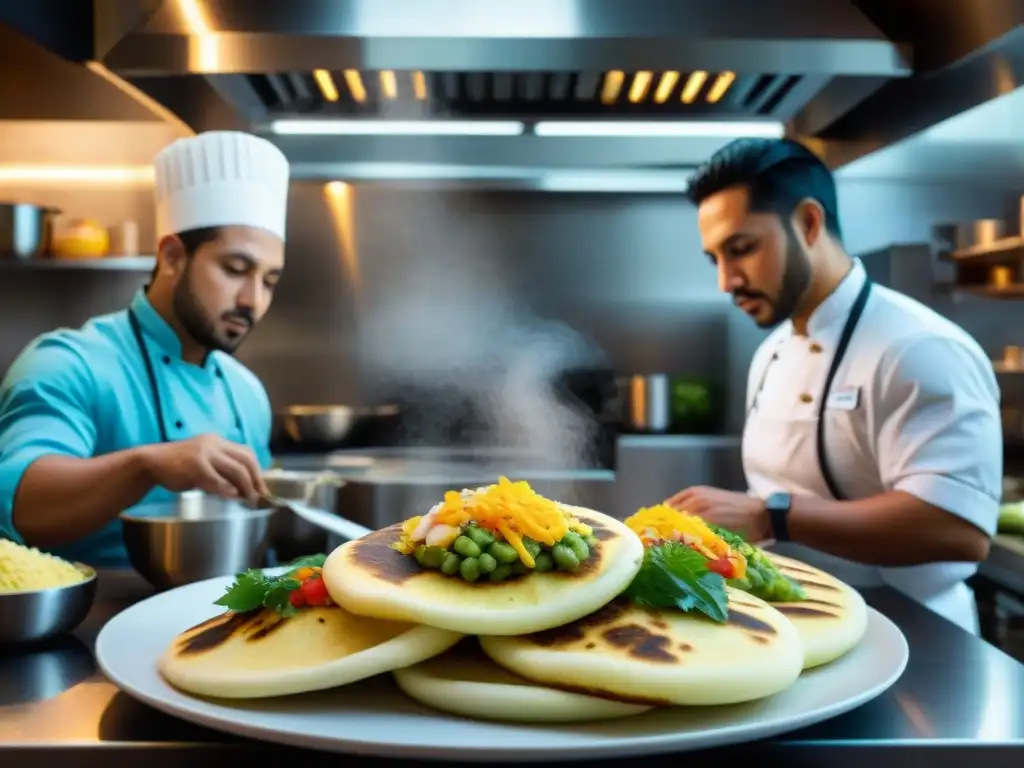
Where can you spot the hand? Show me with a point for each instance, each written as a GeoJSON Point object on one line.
{"type": "Point", "coordinates": [208, 463]}
{"type": "Point", "coordinates": [737, 512]}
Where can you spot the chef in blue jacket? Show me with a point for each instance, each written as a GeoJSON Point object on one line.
{"type": "Point", "coordinates": [147, 402]}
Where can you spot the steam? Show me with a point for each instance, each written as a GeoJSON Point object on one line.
{"type": "Point", "coordinates": [442, 316]}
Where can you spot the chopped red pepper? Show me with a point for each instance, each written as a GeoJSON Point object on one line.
{"type": "Point", "coordinates": [297, 598]}
{"type": "Point", "coordinates": [723, 566]}
{"type": "Point", "coordinates": [314, 591]}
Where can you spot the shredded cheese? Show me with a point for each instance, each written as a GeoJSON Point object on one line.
{"type": "Point", "coordinates": [511, 510]}
{"type": "Point", "coordinates": [664, 523]}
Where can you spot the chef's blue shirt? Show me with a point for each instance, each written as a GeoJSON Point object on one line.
{"type": "Point", "coordinates": [86, 392]}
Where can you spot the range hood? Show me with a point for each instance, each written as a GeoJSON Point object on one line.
{"type": "Point", "coordinates": [850, 76]}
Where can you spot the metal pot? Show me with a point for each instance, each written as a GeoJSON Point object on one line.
{"type": "Point", "coordinates": [646, 402]}
{"type": "Point", "coordinates": [26, 230]}
{"type": "Point", "coordinates": [328, 424]}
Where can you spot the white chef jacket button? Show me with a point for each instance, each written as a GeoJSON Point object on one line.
{"type": "Point", "coordinates": [815, 346]}
{"type": "Point", "coordinates": [805, 398]}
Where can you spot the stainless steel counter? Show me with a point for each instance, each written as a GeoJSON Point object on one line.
{"type": "Point", "coordinates": [959, 700]}
{"type": "Point", "coordinates": [1005, 562]}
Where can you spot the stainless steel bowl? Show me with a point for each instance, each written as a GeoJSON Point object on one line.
{"type": "Point", "coordinates": [327, 424]}
{"type": "Point", "coordinates": [32, 616]}
{"type": "Point", "coordinates": [195, 537]}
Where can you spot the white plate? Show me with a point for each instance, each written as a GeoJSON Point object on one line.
{"type": "Point", "coordinates": [374, 718]}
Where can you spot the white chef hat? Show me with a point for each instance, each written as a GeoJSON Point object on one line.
{"type": "Point", "coordinates": [221, 178]}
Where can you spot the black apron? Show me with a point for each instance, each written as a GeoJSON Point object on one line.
{"type": "Point", "coordinates": [155, 389]}
{"type": "Point", "coordinates": [841, 348]}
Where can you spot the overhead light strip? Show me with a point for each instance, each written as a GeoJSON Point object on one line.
{"type": "Point", "coordinates": [397, 127]}
{"type": "Point", "coordinates": [72, 174]}
{"type": "Point", "coordinates": [675, 129]}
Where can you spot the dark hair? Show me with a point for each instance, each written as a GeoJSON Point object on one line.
{"type": "Point", "coordinates": [778, 174]}
{"type": "Point", "coordinates": [193, 240]}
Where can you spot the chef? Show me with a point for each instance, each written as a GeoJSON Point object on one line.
{"type": "Point", "coordinates": [141, 404]}
{"type": "Point", "coordinates": [873, 440]}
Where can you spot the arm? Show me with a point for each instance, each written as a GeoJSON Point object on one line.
{"type": "Point", "coordinates": [938, 441]}
{"type": "Point", "coordinates": [51, 489]}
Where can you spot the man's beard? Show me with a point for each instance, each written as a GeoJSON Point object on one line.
{"type": "Point", "coordinates": [197, 323]}
{"type": "Point", "coordinates": [796, 277]}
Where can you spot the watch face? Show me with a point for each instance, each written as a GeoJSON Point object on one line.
{"type": "Point", "coordinates": [778, 501]}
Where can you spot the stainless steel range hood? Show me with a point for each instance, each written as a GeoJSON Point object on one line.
{"type": "Point", "coordinates": [852, 75]}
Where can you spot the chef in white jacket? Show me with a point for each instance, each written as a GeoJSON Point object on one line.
{"type": "Point", "coordinates": [873, 440]}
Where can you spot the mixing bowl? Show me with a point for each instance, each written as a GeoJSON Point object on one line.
{"type": "Point", "coordinates": [197, 536]}
{"type": "Point", "coordinates": [31, 616]}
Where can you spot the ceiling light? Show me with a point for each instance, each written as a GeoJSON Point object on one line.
{"type": "Point", "coordinates": [71, 174]}
{"type": "Point", "coordinates": [397, 127]}
{"type": "Point", "coordinates": [688, 129]}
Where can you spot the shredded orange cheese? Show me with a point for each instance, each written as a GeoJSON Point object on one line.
{"type": "Point", "coordinates": [664, 523]}
{"type": "Point", "coordinates": [512, 510]}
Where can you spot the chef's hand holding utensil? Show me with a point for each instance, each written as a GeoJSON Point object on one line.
{"type": "Point", "coordinates": [208, 463]}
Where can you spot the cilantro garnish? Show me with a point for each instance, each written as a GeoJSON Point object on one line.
{"type": "Point", "coordinates": [253, 589]}
{"type": "Point", "coordinates": [675, 576]}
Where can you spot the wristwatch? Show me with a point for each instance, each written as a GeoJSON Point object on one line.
{"type": "Point", "coordinates": [778, 505]}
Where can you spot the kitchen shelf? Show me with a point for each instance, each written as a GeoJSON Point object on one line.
{"type": "Point", "coordinates": [1005, 248]}
{"type": "Point", "coordinates": [108, 263]}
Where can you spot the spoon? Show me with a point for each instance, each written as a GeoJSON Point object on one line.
{"type": "Point", "coordinates": [318, 517]}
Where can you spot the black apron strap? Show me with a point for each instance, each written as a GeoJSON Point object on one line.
{"type": "Point", "coordinates": [844, 342]}
{"type": "Point", "coordinates": [150, 374]}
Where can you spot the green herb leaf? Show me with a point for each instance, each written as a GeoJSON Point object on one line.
{"type": "Point", "coordinates": [675, 576]}
{"type": "Point", "coordinates": [309, 561]}
{"type": "Point", "coordinates": [277, 597]}
{"type": "Point", "coordinates": [246, 593]}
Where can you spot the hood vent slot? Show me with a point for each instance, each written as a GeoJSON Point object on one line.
{"type": "Point", "coordinates": [523, 95]}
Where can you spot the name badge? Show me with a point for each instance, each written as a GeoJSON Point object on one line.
{"type": "Point", "coordinates": [845, 399]}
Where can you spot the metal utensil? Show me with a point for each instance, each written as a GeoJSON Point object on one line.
{"type": "Point", "coordinates": [28, 617]}
{"type": "Point", "coordinates": [26, 230]}
{"type": "Point", "coordinates": [339, 526]}
{"type": "Point", "coordinates": [196, 537]}
{"type": "Point", "coordinates": [290, 535]}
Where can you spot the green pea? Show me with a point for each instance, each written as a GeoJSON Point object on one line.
{"type": "Point", "coordinates": [430, 557]}
{"type": "Point", "coordinates": [487, 563]}
{"type": "Point", "coordinates": [591, 540]}
{"type": "Point", "coordinates": [579, 548]}
{"type": "Point", "coordinates": [519, 568]}
{"type": "Point", "coordinates": [500, 573]}
{"type": "Point", "coordinates": [565, 559]}
{"type": "Point", "coordinates": [531, 546]}
{"type": "Point", "coordinates": [503, 553]}
{"type": "Point", "coordinates": [466, 547]}
{"type": "Point", "coordinates": [543, 562]}
{"type": "Point", "coordinates": [570, 536]}
{"type": "Point", "coordinates": [451, 564]}
{"type": "Point", "coordinates": [478, 536]}
{"type": "Point", "coordinates": [469, 569]}
{"type": "Point", "coordinates": [756, 579]}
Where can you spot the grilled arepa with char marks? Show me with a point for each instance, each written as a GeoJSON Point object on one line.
{"type": "Point", "coordinates": [831, 620]}
{"type": "Point", "coordinates": [370, 577]}
{"type": "Point", "coordinates": [464, 681]}
{"type": "Point", "coordinates": [663, 657]}
{"type": "Point", "coordinates": [261, 653]}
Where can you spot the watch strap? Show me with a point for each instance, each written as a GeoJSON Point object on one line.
{"type": "Point", "coordinates": [778, 506]}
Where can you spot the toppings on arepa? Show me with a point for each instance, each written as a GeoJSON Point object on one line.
{"type": "Point", "coordinates": [662, 523]}
{"type": "Point", "coordinates": [498, 531]}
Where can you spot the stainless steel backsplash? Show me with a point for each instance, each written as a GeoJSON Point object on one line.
{"type": "Point", "coordinates": [625, 271]}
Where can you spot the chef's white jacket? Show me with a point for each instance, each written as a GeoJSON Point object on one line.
{"type": "Point", "coordinates": [914, 407]}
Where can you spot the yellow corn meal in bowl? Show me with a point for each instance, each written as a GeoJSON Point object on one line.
{"type": "Point", "coordinates": [26, 569]}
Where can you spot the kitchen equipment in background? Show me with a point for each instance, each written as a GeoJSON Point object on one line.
{"type": "Point", "coordinates": [124, 239]}
{"type": "Point", "coordinates": [956, 236]}
{"type": "Point", "coordinates": [30, 617]}
{"type": "Point", "coordinates": [197, 536]}
{"type": "Point", "coordinates": [1012, 360]}
{"type": "Point", "coordinates": [312, 426]}
{"type": "Point", "coordinates": [659, 403]}
{"type": "Point", "coordinates": [80, 239]}
{"type": "Point", "coordinates": [26, 230]}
